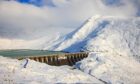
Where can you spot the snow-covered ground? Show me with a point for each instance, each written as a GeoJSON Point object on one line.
{"type": "Point", "coordinates": [13, 72]}
{"type": "Point", "coordinates": [112, 69]}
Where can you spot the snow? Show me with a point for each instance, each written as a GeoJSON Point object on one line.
{"type": "Point", "coordinates": [112, 69]}
{"type": "Point", "coordinates": [13, 72]}
{"type": "Point", "coordinates": [75, 36]}
{"type": "Point", "coordinates": [114, 43]}
{"type": "Point", "coordinates": [103, 34]}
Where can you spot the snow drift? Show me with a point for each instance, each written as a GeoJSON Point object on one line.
{"type": "Point", "coordinates": [111, 68]}
{"type": "Point", "coordinates": [103, 34]}
{"type": "Point", "coordinates": [13, 72]}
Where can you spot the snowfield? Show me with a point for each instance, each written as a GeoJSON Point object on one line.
{"type": "Point", "coordinates": [114, 58]}
{"type": "Point", "coordinates": [112, 69]}
{"type": "Point", "coordinates": [13, 72]}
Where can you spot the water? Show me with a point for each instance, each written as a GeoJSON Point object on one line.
{"type": "Point", "coordinates": [26, 52]}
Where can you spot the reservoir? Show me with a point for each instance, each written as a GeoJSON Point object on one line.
{"type": "Point", "coordinates": [26, 52]}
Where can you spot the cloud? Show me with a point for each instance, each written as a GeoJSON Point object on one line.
{"type": "Point", "coordinates": [137, 5]}
{"type": "Point", "coordinates": [24, 21]}
{"type": "Point", "coordinates": [21, 44]}
{"type": "Point", "coordinates": [37, 18]}
{"type": "Point", "coordinates": [18, 19]}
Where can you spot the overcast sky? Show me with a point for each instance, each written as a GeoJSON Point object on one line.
{"type": "Point", "coordinates": [32, 19]}
{"type": "Point", "coordinates": [29, 23]}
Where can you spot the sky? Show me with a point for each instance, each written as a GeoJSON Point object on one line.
{"type": "Point", "coordinates": [33, 19]}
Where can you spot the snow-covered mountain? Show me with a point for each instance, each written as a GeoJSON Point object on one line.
{"type": "Point", "coordinates": [103, 34]}
{"type": "Point", "coordinates": [114, 43]}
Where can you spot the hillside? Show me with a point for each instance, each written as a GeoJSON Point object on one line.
{"type": "Point", "coordinates": [114, 43]}
{"type": "Point", "coordinates": [119, 35]}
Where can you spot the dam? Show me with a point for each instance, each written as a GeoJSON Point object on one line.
{"type": "Point", "coordinates": [58, 59]}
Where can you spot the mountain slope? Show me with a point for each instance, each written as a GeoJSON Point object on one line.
{"type": "Point", "coordinates": [103, 34]}
{"type": "Point", "coordinates": [113, 43]}
{"type": "Point", "coordinates": [76, 36]}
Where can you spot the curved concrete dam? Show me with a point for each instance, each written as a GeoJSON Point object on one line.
{"type": "Point", "coordinates": [59, 59]}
